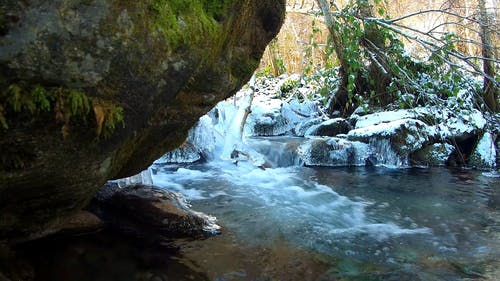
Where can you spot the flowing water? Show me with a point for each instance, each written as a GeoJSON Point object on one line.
{"type": "Point", "coordinates": [292, 222]}
{"type": "Point", "coordinates": [297, 223]}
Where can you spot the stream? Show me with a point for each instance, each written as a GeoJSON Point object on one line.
{"type": "Point", "coordinates": [326, 224]}
{"type": "Point", "coordinates": [292, 222]}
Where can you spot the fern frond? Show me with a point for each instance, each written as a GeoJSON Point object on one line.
{"type": "Point", "coordinates": [14, 97]}
{"type": "Point", "coordinates": [40, 97]}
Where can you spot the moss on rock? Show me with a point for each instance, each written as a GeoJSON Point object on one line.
{"type": "Point", "coordinates": [164, 62]}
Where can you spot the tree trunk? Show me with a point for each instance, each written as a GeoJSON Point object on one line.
{"type": "Point", "coordinates": [379, 70]}
{"type": "Point", "coordinates": [379, 75]}
{"type": "Point", "coordinates": [490, 89]}
{"type": "Point", "coordinates": [340, 101]}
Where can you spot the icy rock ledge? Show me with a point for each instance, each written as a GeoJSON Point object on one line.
{"type": "Point", "coordinates": [335, 152]}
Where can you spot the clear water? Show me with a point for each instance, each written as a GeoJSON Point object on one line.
{"type": "Point", "coordinates": [299, 223]}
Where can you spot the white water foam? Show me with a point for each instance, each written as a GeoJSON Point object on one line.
{"type": "Point", "coordinates": [280, 200]}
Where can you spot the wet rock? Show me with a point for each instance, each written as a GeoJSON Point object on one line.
{"type": "Point", "coordinates": [329, 128]}
{"type": "Point", "coordinates": [81, 222]}
{"type": "Point", "coordinates": [437, 154]}
{"type": "Point", "coordinates": [335, 152]}
{"type": "Point", "coordinates": [149, 212]}
{"type": "Point", "coordinates": [484, 155]}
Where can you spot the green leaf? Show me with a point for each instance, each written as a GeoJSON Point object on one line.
{"type": "Point", "coordinates": [14, 99]}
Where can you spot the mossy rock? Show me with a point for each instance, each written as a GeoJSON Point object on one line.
{"type": "Point", "coordinates": [164, 62]}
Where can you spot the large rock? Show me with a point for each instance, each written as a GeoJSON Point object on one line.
{"type": "Point", "coordinates": [149, 212]}
{"type": "Point", "coordinates": [166, 64]}
{"type": "Point", "coordinates": [330, 128]}
{"type": "Point", "coordinates": [335, 152]}
{"type": "Point", "coordinates": [405, 135]}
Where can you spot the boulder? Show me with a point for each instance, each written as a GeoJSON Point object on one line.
{"type": "Point", "coordinates": [436, 154]}
{"type": "Point", "coordinates": [329, 128]}
{"type": "Point", "coordinates": [405, 135]}
{"type": "Point", "coordinates": [145, 211]}
{"type": "Point", "coordinates": [335, 152]}
{"type": "Point", "coordinates": [99, 89]}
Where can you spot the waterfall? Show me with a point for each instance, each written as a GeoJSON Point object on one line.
{"type": "Point", "coordinates": [386, 155]}
{"type": "Point", "coordinates": [278, 152]}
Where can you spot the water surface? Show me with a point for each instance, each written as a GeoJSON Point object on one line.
{"type": "Point", "coordinates": [299, 223]}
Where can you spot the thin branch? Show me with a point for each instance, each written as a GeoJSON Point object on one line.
{"type": "Point", "coordinates": [438, 11]}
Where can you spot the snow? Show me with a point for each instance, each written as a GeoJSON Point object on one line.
{"type": "Point", "coordinates": [460, 126]}
{"type": "Point", "coordinates": [383, 117]}
{"type": "Point", "coordinates": [484, 156]}
{"type": "Point", "coordinates": [303, 127]}
{"type": "Point", "coordinates": [385, 129]}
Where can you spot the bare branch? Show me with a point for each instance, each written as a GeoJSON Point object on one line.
{"type": "Point", "coordinates": [438, 11]}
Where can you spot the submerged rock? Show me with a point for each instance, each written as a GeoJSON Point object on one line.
{"type": "Point", "coordinates": [160, 65]}
{"type": "Point", "coordinates": [149, 212]}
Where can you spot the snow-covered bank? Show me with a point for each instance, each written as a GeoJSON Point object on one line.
{"type": "Point", "coordinates": [421, 136]}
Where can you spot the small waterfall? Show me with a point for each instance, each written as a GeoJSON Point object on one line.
{"type": "Point", "coordinates": [144, 177]}
{"type": "Point", "coordinates": [278, 152]}
{"type": "Point", "coordinates": [386, 156]}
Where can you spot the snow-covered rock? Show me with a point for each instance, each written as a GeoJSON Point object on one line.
{"type": "Point", "coordinates": [270, 124]}
{"type": "Point", "coordinates": [384, 117]}
{"type": "Point", "coordinates": [484, 155]}
{"type": "Point", "coordinates": [187, 153]}
{"type": "Point", "coordinates": [436, 154]}
{"type": "Point", "coordinates": [406, 135]}
{"type": "Point", "coordinates": [329, 128]}
{"type": "Point", "coordinates": [459, 126]}
{"type": "Point", "coordinates": [334, 152]}
{"type": "Point", "coordinates": [301, 129]}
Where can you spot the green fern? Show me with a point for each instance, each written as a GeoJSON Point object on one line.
{"type": "Point", "coordinates": [79, 103]}
{"type": "Point", "coordinates": [68, 104]}
{"type": "Point", "coordinates": [14, 97]}
{"type": "Point", "coordinates": [41, 98]}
